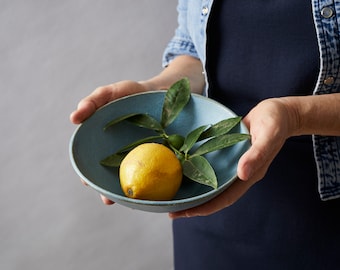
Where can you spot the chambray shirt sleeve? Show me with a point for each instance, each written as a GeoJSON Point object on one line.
{"type": "Point", "coordinates": [181, 43]}
{"type": "Point", "coordinates": [327, 148]}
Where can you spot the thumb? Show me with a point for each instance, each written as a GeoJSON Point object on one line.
{"type": "Point", "coordinates": [254, 163]}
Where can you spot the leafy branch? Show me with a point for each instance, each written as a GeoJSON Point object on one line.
{"type": "Point", "coordinates": [195, 166]}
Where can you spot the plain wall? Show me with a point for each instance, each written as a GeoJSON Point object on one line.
{"type": "Point", "coordinates": [53, 53]}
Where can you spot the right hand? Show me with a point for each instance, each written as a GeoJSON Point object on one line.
{"type": "Point", "coordinates": [98, 98]}
{"type": "Point", "coordinates": [103, 95]}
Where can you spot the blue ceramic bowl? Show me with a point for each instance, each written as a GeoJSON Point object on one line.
{"type": "Point", "coordinates": [90, 144]}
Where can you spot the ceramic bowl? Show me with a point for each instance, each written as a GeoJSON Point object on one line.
{"type": "Point", "coordinates": [90, 144]}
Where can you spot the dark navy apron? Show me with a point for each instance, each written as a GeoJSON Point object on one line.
{"type": "Point", "coordinates": [256, 50]}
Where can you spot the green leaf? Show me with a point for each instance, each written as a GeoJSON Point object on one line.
{"type": "Point", "coordinates": [119, 119]}
{"type": "Point", "coordinates": [175, 100]}
{"type": "Point", "coordinates": [192, 138]}
{"type": "Point", "coordinates": [221, 128]}
{"type": "Point", "coordinates": [139, 142]}
{"type": "Point", "coordinates": [113, 160]}
{"type": "Point", "coordinates": [146, 121]}
{"type": "Point", "coordinates": [220, 142]}
{"type": "Point", "coordinates": [139, 119]}
{"type": "Point", "coordinates": [199, 170]}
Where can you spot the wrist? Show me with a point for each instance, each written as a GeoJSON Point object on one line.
{"type": "Point", "coordinates": [293, 115]}
{"type": "Point", "coordinates": [313, 114]}
{"type": "Point", "coordinates": [152, 85]}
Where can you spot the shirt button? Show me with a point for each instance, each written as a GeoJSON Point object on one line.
{"type": "Point", "coordinates": [205, 10]}
{"type": "Point", "coordinates": [329, 81]}
{"type": "Point", "coordinates": [327, 12]}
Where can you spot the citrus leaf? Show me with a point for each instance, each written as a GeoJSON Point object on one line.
{"type": "Point", "coordinates": [146, 121]}
{"type": "Point", "coordinates": [198, 169]}
{"type": "Point", "coordinates": [220, 142]}
{"type": "Point", "coordinates": [139, 119]}
{"type": "Point", "coordinates": [175, 100]}
{"type": "Point", "coordinates": [119, 119]}
{"type": "Point", "coordinates": [221, 128]}
{"type": "Point", "coordinates": [192, 138]}
{"type": "Point", "coordinates": [113, 160]}
{"type": "Point", "coordinates": [139, 142]}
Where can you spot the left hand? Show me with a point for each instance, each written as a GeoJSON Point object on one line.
{"type": "Point", "coordinates": [270, 123]}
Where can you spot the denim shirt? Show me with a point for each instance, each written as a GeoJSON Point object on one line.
{"type": "Point", "coordinates": [190, 39]}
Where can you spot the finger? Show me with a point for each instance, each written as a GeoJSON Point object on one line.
{"type": "Point", "coordinates": [106, 200]}
{"type": "Point", "coordinates": [85, 108]}
{"type": "Point", "coordinates": [250, 162]}
{"type": "Point", "coordinates": [255, 162]}
{"type": "Point", "coordinates": [83, 182]}
{"type": "Point", "coordinates": [227, 198]}
{"type": "Point", "coordinates": [91, 103]}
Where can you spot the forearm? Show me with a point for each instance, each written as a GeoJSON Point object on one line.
{"type": "Point", "coordinates": [180, 67]}
{"type": "Point", "coordinates": [319, 115]}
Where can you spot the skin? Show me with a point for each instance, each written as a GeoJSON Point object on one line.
{"type": "Point", "coordinates": [270, 123]}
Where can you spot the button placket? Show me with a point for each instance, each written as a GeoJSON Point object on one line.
{"type": "Point", "coordinates": [327, 13]}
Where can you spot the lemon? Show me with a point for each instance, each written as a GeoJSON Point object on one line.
{"type": "Point", "coordinates": [151, 171]}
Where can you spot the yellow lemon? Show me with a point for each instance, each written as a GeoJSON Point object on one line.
{"type": "Point", "coordinates": [151, 171]}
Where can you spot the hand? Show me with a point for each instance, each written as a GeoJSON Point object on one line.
{"type": "Point", "coordinates": [103, 95]}
{"type": "Point", "coordinates": [270, 123]}
{"type": "Point", "coordinates": [100, 97]}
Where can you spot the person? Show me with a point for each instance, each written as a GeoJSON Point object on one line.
{"type": "Point", "coordinates": [277, 63]}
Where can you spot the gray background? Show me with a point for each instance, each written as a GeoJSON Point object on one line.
{"type": "Point", "coordinates": [52, 53]}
